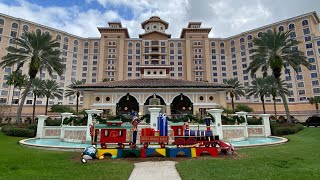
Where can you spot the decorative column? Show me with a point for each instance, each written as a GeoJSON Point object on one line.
{"type": "Point", "coordinates": [141, 110]}
{"type": "Point", "coordinates": [266, 123]}
{"type": "Point", "coordinates": [63, 116]}
{"type": "Point", "coordinates": [168, 109]}
{"type": "Point", "coordinates": [244, 115]}
{"type": "Point", "coordinates": [154, 114]}
{"type": "Point", "coordinates": [89, 122]}
{"type": "Point", "coordinates": [216, 113]}
{"type": "Point", "coordinates": [41, 119]}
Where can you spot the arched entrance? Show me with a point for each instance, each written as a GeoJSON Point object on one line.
{"type": "Point", "coordinates": [155, 101]}
{"type": "Point", "coordinates": [127, 104]}
{"type": "Point", "coordinates": [180, 105]}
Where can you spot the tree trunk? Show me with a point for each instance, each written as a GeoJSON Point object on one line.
{"type": "Point", "coordinates": [263, 106]}
{"type": "Point", "coordinates": [11, 101]}
{"type": "Point", "coordinates": [47, 102]}
{"type": "Point", "coordinates": [24, 96]}
{"type": "Point", "coordinates": [78, 94]}
{"type": "Point", "coordinates": [232, 102]}
{"type": "Point", "coordinates": [317, 108]}
{"type": "Point", "coordinates": [275, 107]}
{"type": "Point", "coordinates": [285, 104]}
{"type": "Point", "coordinates": [34, 107]}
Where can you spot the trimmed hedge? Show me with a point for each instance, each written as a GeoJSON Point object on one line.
{"type": "Point", "coordinates": [254, 121]}
{"type": "Point", "coordinates": [280, 129]}
{"type": "Point", "coordinates": [20, 132]}
{"type": "Point", "coordinates": [52, 122]}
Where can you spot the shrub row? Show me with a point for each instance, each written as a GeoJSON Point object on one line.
{"type": "Point", "coordinates": [20, 130]}
{"type": "Point", "coordinates": [280, 129]}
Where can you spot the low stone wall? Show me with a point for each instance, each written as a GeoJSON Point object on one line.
{"type": "Point", "coordinates": [233, 132]}
{"type": "Point", "coordinates": [75, 134]}
{"type": "Point", "coordinates": [51, 132]}
{"type": "Point", "coordinates": [256, 130]}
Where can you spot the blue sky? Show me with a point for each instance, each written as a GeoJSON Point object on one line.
{"type": "Point", "coordinates": [226, 17]}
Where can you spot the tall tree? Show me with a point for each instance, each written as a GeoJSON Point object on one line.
{"type": "Point", "coordinates": [237, 89]}
{"type": "Point", "coordinates": [74, 92]}
{"type": "Point", "coordinates": [259, 88]}
{"type": "Point", "coordinates": [274, 50]}
{"type": "Point", "coordinates": [17, 80]}
{"type": "Point", "coordinates": [51, 89]}
{"type": "Point", "coordinates": [316, 101]}
{"type": "Point", "coordinates": [273, 90]}
{"type": "Point", "coordinates": [37, 91]}
{"type": "Point", "coordinates": [36, 51]}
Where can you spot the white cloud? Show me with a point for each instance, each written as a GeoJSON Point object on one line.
{"type": "Point", "coordinates": [227, 17]}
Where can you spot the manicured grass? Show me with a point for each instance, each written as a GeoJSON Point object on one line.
{"type": "Point", "coordinates": [297, 159]}
{"type": "Point", "coordinates": [19, 162]}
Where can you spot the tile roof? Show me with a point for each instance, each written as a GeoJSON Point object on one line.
{"type": "Point", "coordinates": [154, 83]}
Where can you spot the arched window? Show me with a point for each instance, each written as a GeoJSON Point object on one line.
{"type": "Point", "coordinates": [1, 21]}
{"type": "Point", "coordinates": [179, 44]}
{"type": "Point", "coordinates": [221, 44]}
{"type": "Point", "coordinates": [269, 31]}
{"type": "Point", "coordinates": [171, 44]}
{"type": "Point", "coordinates": [25, 28]}
{"type": "Point", "coordinates": [259, 34]}
{"type": "Point", "coordinates": [86, 44]}
{"type": "Point", "coordinates": [137, 45]}
{"type": "Point", "coordinates": [281, 28]}
{"type": "Point", "coordinates": [242, 40]}
{"type": "Point", "coordinates": [66, 39]}
{"type": "Point", "coordinates": [249, 37]}
{"type": "Point", "coordinates": [38, 31]}
{"type": "Point", "coordinates": [75, 42]}
{"type": "Point", "coordinates": [58, 37]}
{"type": "Point", "coordinates": [130, 44]}
{"type": "Point", "coordinates": [47, 32]}
{"type": "Point", "coordinates": [291, 26]}
{"type": "Point", "coordinates": [96, 44]}
{"type": "Point", "coordinates": [305, 23]}
{"type": "Point", "coordinates": [213, 44]}
{"type": "Point", "coordinates": [232, 42]}
{"type": "Point", "coordinates": [14, 25]}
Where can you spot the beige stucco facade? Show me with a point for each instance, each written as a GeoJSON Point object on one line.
{"type": "Point", "coordinates": [193, 56]}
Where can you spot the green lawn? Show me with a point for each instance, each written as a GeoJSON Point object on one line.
{"type": "Point", "coordinates": [297, 159]}
{"type": "Point", "coordinates": [18, 162]}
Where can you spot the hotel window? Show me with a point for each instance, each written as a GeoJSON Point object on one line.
{"type": "Point", "coordinates": [213, 44]}
{"type": "Point", "coordinates": [234, 61]}
{"type": "Point", "coordinates": [129, 51]}
{"type": "Point", "coordinates": [171, 74]}
{"type": "Point", "coordinates": [232, 43]}
{"type": "Point", "coordinates": [281, 28]}
{"type": "Point", "coordinates": [223, 63]}
{"type": "Point", "coordinates": [244, 59]}
{"type": "Point", "coordinates": [94, 57]}
{"type": "Point", "coordinates": [249, 37]}
{"type": "Point", "coordinates": [233, 55]}
{"type": "Point", "coordinates": [291, 99]}
{"type": "Point", "coordinates": [179, 74]}
{"type": "Point", "coordinates": [223, 68]}
{"type": "Point", "coordinates": [307, 38]}
{"type": "Point", "coordinates": [84, 74]}
{"type": "Point", "coordinates": [242, 47]}
{"type": "Point", "coordinates": [1, 21]}
{"type": "Point", "coordinates": [14, 25]}
{"type": "Point", "coordinates": [162, 43]}
{"type": "Point", "coordinates": [313, 67]}
{"type": "Point", "coordinates": [95, 50]}
{"type": "Point", "coordinates": [309, 45]}
{"type": "Point", "coordinates": [221, 44]}
{"type": "Point", "coordinates": [302, 98]}
{"type": "Point", "coordinates": [180, 57]}
{"type": "Point", "coordinates": [299, 77]}
{"type": "Point", "coordinates": [305, 23]}
{"type": "Point", "coordinates": [242, 40]}
{"type": "Point", "coordinates": [130, 44]}
{"type": "Point", "coordinates": [179, 44]}
{"type": "Point", "coordinates": [94, 62]}
{"type": "Point", "coordinates": [233, 49]}
{"type": "Point", "coordinates": [129, 63]}
{"type": "Point", "coordinates": [214, 62]}
{"type": "Point", "coordinates": [291, 26]}
{"type": "Point", "coordinates": [306, 31]}
{"type": "Point", "coordinates": [314, 75]}
{"type": "Point", "coordinates": [288, 78]}
{"type": "Point", "coordinates": [234, 67]}
{"type": "Point", "coordinates": [301, 92]}
{"type": "Point", "coordinates": [222, 51]}
{"type": "Point", "coordinates": [316, 90]}
{"type": "Point", "coordinates": [146, 43]}
{"type": "Point", "coordinates": [224, 74]}
{"type": "Point", "coordinates": [243, 53]}
{"type": "Point", "coordinates": [318, 43]}
{"type": "Point", "coordinates": [137, 45]}
{"type": "Point", "coordinates": [260, 34]}
{"type": "Point", "coordinates": [244, 65]}
{"type": "Point", "coordinates": [85, 63]}
{"type": "Point", "coordinates": [310, 53]}
{"type": "Point", "coordinates": [223, 57]}
{"type": "Point", "coordinates": [137, 74]}
{"type": "Point", "coordinates": [214, 74]}
{"type": "Point", "coordinates": [95, 44]}
{"type": "Point", "coordinates": [292, 34]}
{"type": "Point", "coordinates": [137, 51]}
{"type": "Point", "coordinates": [214, 57]}
{"type": "Point", "coordinates": [245, 78]}
{"type": "Point", "coordinates": [300, 84]}
{"type": "Point", "coordinates": [235, 73]}
{"type": "Point", "coordinates": [137, 57]}
{"type": "Point", "coordinates": [250, 45]}
{"type": "Point", "coordinates": [315, 83]}
{"type": "Point", "coordinates": [215, 80]}
{"type": "Point", "coordinates": [94, 80]}
{"type": "Point", "coordinates": [86, 44]}
{"type": "Point", "coordinates": [244, 71]}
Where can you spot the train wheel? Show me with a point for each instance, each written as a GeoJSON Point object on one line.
{"type": "Point", "coordinates": [162, 145]}
{"type": "Point", "coordinates": [121, 146]}
{"type": "Point", "coordinates": [180, 141]}
{"type": "Point", "coordinates": [145, 145]}
{"type": "Point", "coordinates": [191, 141]}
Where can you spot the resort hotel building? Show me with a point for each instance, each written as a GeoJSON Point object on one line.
{"type": "Point", "coordinates": [182, 74]}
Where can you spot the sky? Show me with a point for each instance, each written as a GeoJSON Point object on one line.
{"type": "Point", "coordinates": [226, 17]}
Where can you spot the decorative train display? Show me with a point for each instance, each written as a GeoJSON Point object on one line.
{"type": "Point", "coordinates": [115, 132]}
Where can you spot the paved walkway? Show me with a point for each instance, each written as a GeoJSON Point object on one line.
{"type": "Point", "coordinates": [159, 170]}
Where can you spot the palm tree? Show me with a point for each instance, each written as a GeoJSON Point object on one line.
{"type": "Point", "coordinates": [17, 80]}
{"type": "Point", "coordinates": [273, 50]}
{"type": "Point", "coordinates": [38, 51]}
{"type": "Point", "coordinates": [51, 89]}
{"type": "Point", "coordinates": [74, 92]}
{"type": "Point", "coordinates": [259, 88]}
{"type": "Point", "coordinates": [237, 89]}
{"type": "Point", "coordinates": [274, 91]}
{"type": "Point", "coordinates": [37, 91]}
{"type": "Point", "coordinates": [316, 101]}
